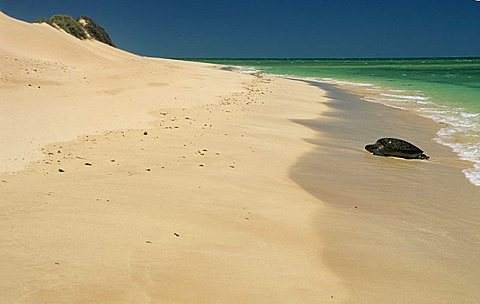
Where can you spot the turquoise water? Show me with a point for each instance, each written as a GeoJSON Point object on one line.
{"type": "Point", "coordinates": [444, 89]}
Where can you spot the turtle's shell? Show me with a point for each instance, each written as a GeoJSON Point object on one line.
{"type": "Point", "coordinates": [399, 146]}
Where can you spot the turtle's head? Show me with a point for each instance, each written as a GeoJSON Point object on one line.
{"type": "Point", "coordinates": [370, 148]}
{"type": "Point", "coordinates": [423, 156]}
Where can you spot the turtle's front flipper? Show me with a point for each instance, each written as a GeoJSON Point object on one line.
{"type": "Point", "coordinates": [377, 152]}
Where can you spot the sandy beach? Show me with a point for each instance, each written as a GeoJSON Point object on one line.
{"type": "Point", "coordinates": [174, 183]}
{"type": "Point", "coordinates": [127, 179]}
{"type": "Point", "coordinates": [395, 230]}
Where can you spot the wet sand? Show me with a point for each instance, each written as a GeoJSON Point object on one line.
{"type": "Point", "coordinates": [396, 231]}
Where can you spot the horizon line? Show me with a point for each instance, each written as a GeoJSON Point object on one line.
{"type": "Point", "coordinates": [321, 58]}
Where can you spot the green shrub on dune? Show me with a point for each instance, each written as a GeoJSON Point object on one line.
{"type": "Point", "coordinates": [69, 25]}
{"type": "Point", "coordinates": [43, 20]}
{"type": "Point", "coordinates": [82, 28]}
{"type": "Point", "coordinates": [95, 30]}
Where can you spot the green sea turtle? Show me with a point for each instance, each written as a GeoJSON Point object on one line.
{"type": "Point", "coordinates": [395, 147]}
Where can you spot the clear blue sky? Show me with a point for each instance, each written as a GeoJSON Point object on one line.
{"type": "Point", "coordinates": [283, 28]}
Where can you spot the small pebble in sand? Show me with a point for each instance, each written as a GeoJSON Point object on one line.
{"type": "Point", "coordinates": [145, 133]}
{"type": "Point", "coordinates": [148, 169]}
{"type": "Point", "coordinates": [88, 164]}
{"type": "Point", "coordinates": [61, 170]}
{"type": "Point", "coordinates": [148, 242]}
{"type": "Point", "coordinates": [176, 234]}
{"type": "Point", "coordinates": [201, 165]}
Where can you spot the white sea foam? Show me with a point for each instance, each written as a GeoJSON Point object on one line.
{"type": "Point", "coordinates": [349, 83]}
{"type": "Point", "coordinates": [469, 115]}
{"type": "Point", "coordinates": [409, 97]}
{"type": "Point", "coordinates": [240, 69]}
{"type": "Point", "coordinates": [248, 70]}
{"type": "Point", "coordinates": [461, 133]}
{"type": "Point", "coordinates": [392, 104]}
{"type": "Point", "coordinates": [472, 174]}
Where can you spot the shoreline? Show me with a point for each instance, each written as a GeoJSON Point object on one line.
{"type": "Point", "coordinates": [388, 222]}
{"type": "Point", "coordinates": [453, 122]}
{"type": "Point", "coordinates": [457, 121]}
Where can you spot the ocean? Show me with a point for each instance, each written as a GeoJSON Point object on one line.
{"type": "Point", "coordinates": [446, 90]}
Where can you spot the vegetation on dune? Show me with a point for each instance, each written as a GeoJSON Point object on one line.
{"type": "Point", "coordinates": [69, 25]}
{"type": "Point", "coordinates": [82, 28]}
{"type": "Point", "coordinates": [43, 20]}
{"type": "Point", "coordinates": [95, 31]}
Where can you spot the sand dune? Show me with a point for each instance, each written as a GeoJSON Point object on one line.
{"type": "Point", "coordinates": [139, 180]}
{"type": "Point", "coordinates": [70, 87]}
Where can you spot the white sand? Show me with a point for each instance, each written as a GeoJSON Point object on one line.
{"type": "Point", "coordinates": [200, 209]}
